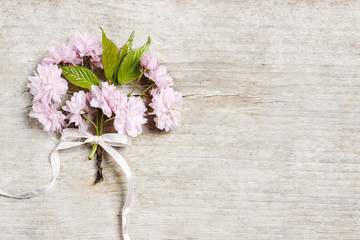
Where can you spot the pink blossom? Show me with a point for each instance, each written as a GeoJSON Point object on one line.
{"type": "Point", "coordinates": [105, 98]}
{"type": "Point", "coordinates": [89, 97]}
{"type": "Point", "coordinates": [119, 103]}
{"type": "Point", "coordinates": [160, 76]}
{"type": "Point", "coordinates": [88, 46]}
{"type": "Point", "coordinates": [47, 85]}
{"type": "Point", "coordinates": [166, 104]}
{"type": "Point", "coordinates": [130, 117]}
{"type": "Point", "coordinates": [63, 54]}
{"type": "Point", "coordinates": [91, 112]}
{"type": "Point", "coordinates": [148, 62]}
{"type": "Point", "coordinates": [77, 106]}
{"type": "Point", "coordinates": [48, 116]}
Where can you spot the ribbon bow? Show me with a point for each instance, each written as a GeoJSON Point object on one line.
{"type": "Point", "coordinates": [107, 142]}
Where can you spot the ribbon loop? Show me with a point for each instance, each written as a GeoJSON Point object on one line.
{"type": "Point", "coordinates": [107, 142]}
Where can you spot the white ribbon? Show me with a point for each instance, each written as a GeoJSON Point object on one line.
{"type": "Point", "coordinates": [107, 142]}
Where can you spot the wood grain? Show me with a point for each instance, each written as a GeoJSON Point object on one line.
{"type": "Point", "coordinates": [269, 143]}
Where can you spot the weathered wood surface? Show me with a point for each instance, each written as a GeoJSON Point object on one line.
{"type": "Point", "coordinates": [269, 147]}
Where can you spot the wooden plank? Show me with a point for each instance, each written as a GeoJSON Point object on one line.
{"type": "Point", "coordinates": [269, 143]}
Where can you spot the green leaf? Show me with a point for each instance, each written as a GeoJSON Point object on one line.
{"type": "Point", "coordinates": [109, 57]}
{"type": "Point", "coordinates": [130, 67]}
{"type": "Point", "coordinates": [127, 47]}
{"type": "Point", "coordinates": [123, 52]}
{"type": "Point", "coordinates": [80, 76]}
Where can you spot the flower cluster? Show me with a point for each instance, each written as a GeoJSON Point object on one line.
{"type": "Point", "coordinates": [129, 111]}
{"type": "Point", "coordinates": [81, 48]}
{"type": "Point", "coordinates": [94, 102]}
{"type": "Point", "coordinates": [166, 102]}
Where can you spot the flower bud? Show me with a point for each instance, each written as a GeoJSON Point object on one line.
{"type": "Point", "coordinates": [148, 62]}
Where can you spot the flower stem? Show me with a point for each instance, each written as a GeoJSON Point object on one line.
{"type": "Point", "coordinates": [97, 117]}
{"type": "Point", "coordinates": [101, 124]}
{"type": "Point", "coordinates": [107, 120]}
{"type": "Point", "coordinates": [137, 82]}
{"type": "Point", "coordinates": [99, 174]}
{"type": "Point", "coordinates": [98, 150]}
{"type": "Point", "coordinates": [96, 128]}
{"type": "Point", "coordinates": [147, 89]}
{"type": "Point", "coordinates": [86, 62]}
{"type": "Point", "coordinates": [95, 146]}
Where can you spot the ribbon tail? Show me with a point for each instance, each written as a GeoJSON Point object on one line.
{"type": "Point", "coordinates": [126, 208]}
{"type": "Point", "coordinates": [55, 168]}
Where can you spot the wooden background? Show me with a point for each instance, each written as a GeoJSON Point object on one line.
{"type": "Point", "coordinates": [269, 146]}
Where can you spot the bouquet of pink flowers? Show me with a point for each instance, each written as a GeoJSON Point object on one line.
{"type": "Point", "coordinates": [69, 71]}
{"type": "Point", "coordinates": [79, 86]}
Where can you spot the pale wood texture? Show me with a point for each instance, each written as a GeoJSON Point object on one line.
{"type": "Point", "coordinates": [269, 143]}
